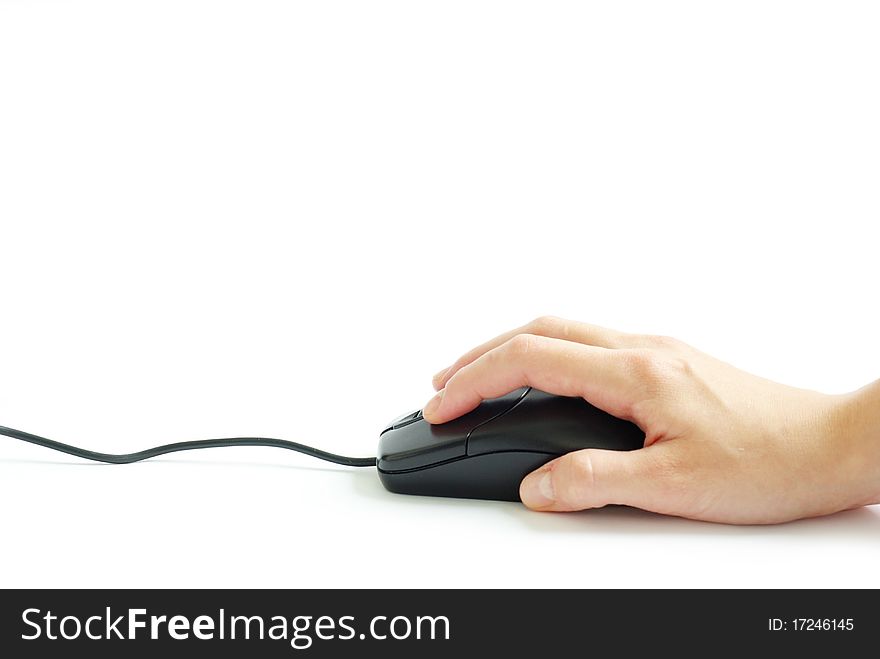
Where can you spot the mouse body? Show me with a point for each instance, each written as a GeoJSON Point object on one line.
{"type": "Point", "coordinates": [486, 453]}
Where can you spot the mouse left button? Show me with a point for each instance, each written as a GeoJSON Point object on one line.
{"type": "Point", "coordinates": [418, 445]}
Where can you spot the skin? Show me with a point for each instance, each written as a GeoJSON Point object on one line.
{"type": "Point", "coordinates": [721, 444]}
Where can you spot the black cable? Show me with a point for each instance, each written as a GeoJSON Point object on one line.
{"type": "Point", "coordinates": [127, 458]}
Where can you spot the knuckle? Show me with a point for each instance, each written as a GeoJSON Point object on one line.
{"type": "Point", "coordinates": [655, 368]}
{"type": "Point", "coordinates": [665, 342]}
{"type": "Point", "coordinates": [574, 479]}
{"type": "Point", "coordinates": [657, 342]}
{"type": "Point", "coordinates": [643, 364]}
{"type": "Point", "coordinates": [546, 325]}
{"type": "Point", "coordinates": [522, 345]}
{"type": "Point", "coordinates": [677, 367]}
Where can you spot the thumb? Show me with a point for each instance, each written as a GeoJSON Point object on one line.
{"type": "Point", "coordinates": [593, 478]}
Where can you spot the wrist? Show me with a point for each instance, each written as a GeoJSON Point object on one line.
{"type": "Point", "coordinates": [857, 431]}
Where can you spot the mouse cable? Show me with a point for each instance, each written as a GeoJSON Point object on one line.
{"type": "Point", "coordinates": [127, 458]}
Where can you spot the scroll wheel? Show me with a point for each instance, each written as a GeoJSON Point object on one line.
{"type": "Point", "coordinates": [407, 419]}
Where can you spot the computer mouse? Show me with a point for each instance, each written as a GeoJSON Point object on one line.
{"type": "Point", "coordinates": [486, 453]}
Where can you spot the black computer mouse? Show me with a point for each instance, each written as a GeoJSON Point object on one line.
{"type": "Point", "coordinates": [487, 452]}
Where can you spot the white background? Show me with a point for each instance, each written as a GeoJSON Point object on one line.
{"type": "Point", "coordinates": [281, 218]}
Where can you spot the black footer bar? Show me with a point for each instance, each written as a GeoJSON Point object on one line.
{"type": "Point", "coordinates": [316, 623]}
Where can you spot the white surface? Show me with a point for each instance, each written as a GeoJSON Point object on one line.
{"type": "Point", "coordinates": [228, 218]}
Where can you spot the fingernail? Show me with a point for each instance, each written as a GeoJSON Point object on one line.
{"type": "Point", "coordinates": [438, 378]}
{"type": "Point", "coordinates": [433, 404]}
{"type": "Point", "coordinates": [537, 490]}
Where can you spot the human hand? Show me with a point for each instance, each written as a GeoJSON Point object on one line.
{"type": "Point", "coordinates": [720, 444]}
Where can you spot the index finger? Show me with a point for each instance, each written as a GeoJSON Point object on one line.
{"type": "Point", "coordinates": [602, 376]}
{"type": "Point", "coordinates": [549, 326]}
